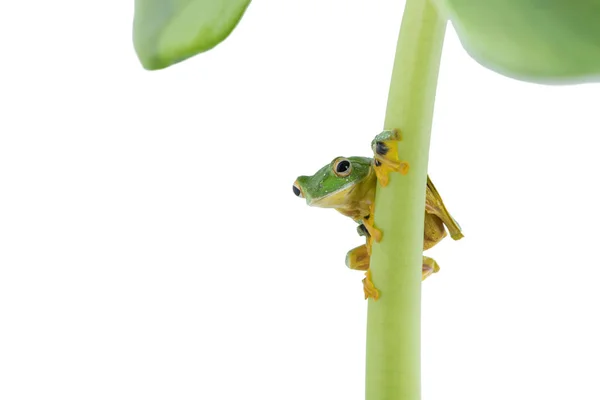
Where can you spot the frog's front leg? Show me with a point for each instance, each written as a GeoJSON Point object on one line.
{"type": "Point", "coordinates": [373, 234]}
{"type": "Point", "coordinates": [386, 158]}
{"type": "Point", "coordinates": [362, 231]}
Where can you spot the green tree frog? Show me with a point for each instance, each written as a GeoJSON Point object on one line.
{"type": "Point", "coordinates": [347, 184]}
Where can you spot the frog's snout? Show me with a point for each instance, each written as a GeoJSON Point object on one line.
{"type": "Point", "coordinates": [298, 190]}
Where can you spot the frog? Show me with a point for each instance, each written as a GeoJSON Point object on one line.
{"type": "Point", "coordinates": [348, 185]}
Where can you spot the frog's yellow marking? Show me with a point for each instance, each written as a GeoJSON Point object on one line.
{"type": "Point", "coordinates": [369, 288]}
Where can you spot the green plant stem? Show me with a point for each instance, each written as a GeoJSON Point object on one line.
{"type": "Point", "coordinates": [394, 321]}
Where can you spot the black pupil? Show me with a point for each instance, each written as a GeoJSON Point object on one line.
{"type": "Point", "coordinates": [342, 167]}
{"type": "Point", "coordinates": [296, 191]}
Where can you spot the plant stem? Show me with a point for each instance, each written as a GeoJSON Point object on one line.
{"type": "Point", "coordinates": [394, 321]}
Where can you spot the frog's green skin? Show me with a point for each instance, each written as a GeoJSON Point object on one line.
{"type": "Point", "coordinates": [348, 186]}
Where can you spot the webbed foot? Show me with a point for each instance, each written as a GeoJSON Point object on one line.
{"type": "Point", "coordinates": [369, 288]}
{"type": "Point", "coordinates": [386, 158]}
{"type": "Point", "coordinates": [369, 224]}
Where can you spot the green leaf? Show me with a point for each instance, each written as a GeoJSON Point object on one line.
{"type": "Point", "coordinates": [166, 32]}
{"type": "Point", "coordinates": [546, 41]}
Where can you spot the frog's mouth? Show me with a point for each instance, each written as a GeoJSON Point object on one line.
{"type": "Point", "coordinates": [333, 199]}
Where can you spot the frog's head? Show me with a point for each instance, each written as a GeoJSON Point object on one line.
{"type": "Point", "coordinates": [332, 186]}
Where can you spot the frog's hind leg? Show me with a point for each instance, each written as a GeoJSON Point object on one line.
{"type": "Point", "coordinates": [434, 231]}
{"type": "Point", "coordinates": [359, 259]}
{"type": "Point", "coordinates": [430, 266]}
{"type": "Point", "coordinates": [386, 158]}
{"type": "Point", "coordinates": [434, 205]}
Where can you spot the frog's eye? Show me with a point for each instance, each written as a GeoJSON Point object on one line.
{"type": "Point", "coordinates": [297, 190]}
{"type": "Point", "coordinates": [342, 167]}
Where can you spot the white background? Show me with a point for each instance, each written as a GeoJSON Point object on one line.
{"type": "Point", "coordinates": [151, 246]}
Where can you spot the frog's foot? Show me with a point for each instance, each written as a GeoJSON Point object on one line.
{"type": "Point", "coordinates": [383, 169]}
{"type": "Point", "coordinates": [369, 288]}
{"type": "Point", "coordinates": [374, 233]}
{"type": "Point", "coordinates": [430, 266]}
{"type": "Point", "coordinates": [358, 258]}
{"type": "Point", "coordinates": [386, 158]}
